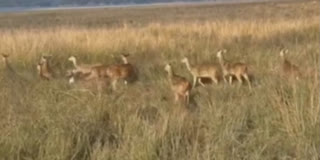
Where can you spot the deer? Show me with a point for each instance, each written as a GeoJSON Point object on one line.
{"type": "Point", "coordinates": [202, 71]}
{"type": "Point", "coordinates": [230, 69]}
{"type": "Point", "coordinates": [87, 83]}
{"type": "Point", "coordinates": [44, 70]}
{"type": "Point", "coordinates": [289, 69]}
{"type": "Point", "coordinates": [10, 71]}
{"type": "Point", "coordinates": [5, 58]}
{"type": "Point", "coordinates": [180, 86]}
{"type": "Point", "coordinates": [133, 72]}
{"type": "Point", "coordinates": [82, 68]}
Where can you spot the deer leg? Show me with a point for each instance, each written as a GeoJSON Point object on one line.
{"type": "Point", "coordinates": [230, 79]}
{"type": "Point", "coordinates": [114, 83]}
{"type": "Point", "coordinates": [200, 82]}
{"type": "Point", "coordinates": [194, 81]}
{"type": "Point", "coordinates": [176, 97]}
{"type": "Point", "coordinates": [186, 98]}
{"type": "Point", "coordinates": [246, 77]}
{"type": "Point", "coordinates": [71, 80]}
{"type": "Point", "coordinates": [225, 79]}
{"type": "Point", "coordinates": [215, 80]}
{"type": "Point", "coordinates": [239, 79]}
{"type": "Point", "coordinates": [99, 89]}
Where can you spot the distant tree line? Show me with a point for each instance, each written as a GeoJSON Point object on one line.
{"type": "Point", "coordinates": [55, 3]}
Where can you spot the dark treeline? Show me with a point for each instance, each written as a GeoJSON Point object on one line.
{"type": "Point", "coordinates": [55, 3]}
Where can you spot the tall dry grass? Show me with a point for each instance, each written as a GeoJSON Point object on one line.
{"type": "Point", "coordinates": [278, 119]}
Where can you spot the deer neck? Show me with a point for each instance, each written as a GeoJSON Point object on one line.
{"type": "Point", "coordinates": [7, 64]}
{"type": "Point", "coordinates": [188, 65]}
{"type": "Point", "coordinates": [286, 63]}
{"type": "Point", "coordinates": [125, 61]}
{"type": "Point", "coordinates": [284, 60]}
{"type": "Point", "coordinates": [222, 62]}
{"type": "Point", "coordinates": [170, 74]}
{"type": "Point", "coordinates": [74, 62]}
{"type": "Point", "coordinates": [46, 67]}
{"type": "Point", "coordinates": [223, 65]}
{"type": "Point", "coordinates": [41, 69]}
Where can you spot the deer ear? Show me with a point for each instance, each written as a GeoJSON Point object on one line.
{"type": "Point", "coordinates": [43, 58]}
{"type": "Point", "coordinates": [167, 64]}
{"type": "Point", "coordinates": [126, 54]}
{"type": "Point", "coordinates": [286, 51]}
{"type": "Point", "coordinates": [5, 55]}
{"type": "Point", "coordinates": [47, 56]}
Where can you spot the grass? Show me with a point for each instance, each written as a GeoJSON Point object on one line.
{"type": "Point", "coordinates": [278, 119]}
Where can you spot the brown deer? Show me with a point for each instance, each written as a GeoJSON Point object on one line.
{"type": "Point", "coordinates": [202, 71]}
{"type": "Point", "coordinates": [44, 70]}
{"type": "Point", "coordinates": [289, 70]}
{"type": "Point", "coordinates": [180, 86]}
{"type": "Point", "coordinates": [230, 69]}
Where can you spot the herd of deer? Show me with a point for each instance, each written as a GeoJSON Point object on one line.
{"type": "Point", "coordinates": [181, 87]}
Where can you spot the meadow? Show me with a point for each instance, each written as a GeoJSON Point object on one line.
{"type": "Point", "coordinates": [277, 119]}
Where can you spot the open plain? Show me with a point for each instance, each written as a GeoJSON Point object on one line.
{"type": "Point", "coordinates": [278, 118]}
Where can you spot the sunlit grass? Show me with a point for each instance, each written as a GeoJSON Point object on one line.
{"type": "Point", "coordinates": [278, 119]}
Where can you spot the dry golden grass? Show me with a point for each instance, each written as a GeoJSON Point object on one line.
{"type": "Point", "coordinates": [151, 37]}
{"type": "Point", "coordinates": [278, 119]}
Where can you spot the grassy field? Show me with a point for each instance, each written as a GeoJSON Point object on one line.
{"type": "Point", "coordinates": [46, 120]}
